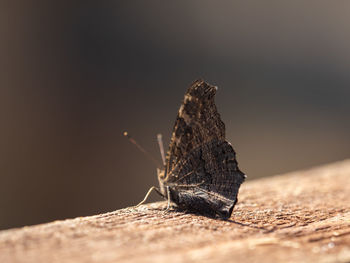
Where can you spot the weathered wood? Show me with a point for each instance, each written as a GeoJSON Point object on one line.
{"type": "Point", "coordinates": [298, 217]}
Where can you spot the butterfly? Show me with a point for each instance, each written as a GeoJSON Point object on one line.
{"type": "Point", "coordinates": [200, 170]}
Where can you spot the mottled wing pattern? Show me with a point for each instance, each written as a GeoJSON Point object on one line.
{"type": "Point", "coordinates": [201, 169]}
{"type": "Point", "coordinates": [208, 179]}
{"type": "Point", "coordinates": [197, 122]}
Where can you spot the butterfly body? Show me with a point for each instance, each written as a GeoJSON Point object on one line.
{"type": "Point", "coordinates": [201, 171]}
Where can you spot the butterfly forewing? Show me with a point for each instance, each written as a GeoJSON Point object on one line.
{"type": "Point", "coordinates": [197, 122]}
{"type": "Point", "coordinates": [201, 170]}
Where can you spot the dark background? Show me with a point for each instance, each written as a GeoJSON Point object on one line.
{"type": "Point", "coordinates": [75, 74]}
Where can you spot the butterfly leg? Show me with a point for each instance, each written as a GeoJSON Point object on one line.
{"type": "Point", "coordinates": [148, 193]}
{"type": "Point", "coordinates": [168, 197]}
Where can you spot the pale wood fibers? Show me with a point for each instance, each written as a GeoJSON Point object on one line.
{"type": "Point", "coordinates": [298, 217]}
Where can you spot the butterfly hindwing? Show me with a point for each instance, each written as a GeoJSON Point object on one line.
{"type": "Point", "coordinates": [208, 179]}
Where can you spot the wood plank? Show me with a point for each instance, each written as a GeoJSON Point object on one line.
{"type": "Point", "coordinates": [302, 216]}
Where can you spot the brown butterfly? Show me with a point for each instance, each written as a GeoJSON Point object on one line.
{"type": "Point", "coordinates": [200, 169]}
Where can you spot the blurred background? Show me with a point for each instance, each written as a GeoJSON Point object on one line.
{"type": "Point", "coordinates": [75, 74]}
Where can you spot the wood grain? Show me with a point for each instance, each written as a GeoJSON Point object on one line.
{"type": "Point", "coordinates": [302, 216]}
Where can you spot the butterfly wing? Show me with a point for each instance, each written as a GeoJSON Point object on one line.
{"type": "Point", "coordinates": [197, 122]}
{"type": "Point", "coordinates": [208, 179]}
{"type": "Point", "coordinates": [201, 167]}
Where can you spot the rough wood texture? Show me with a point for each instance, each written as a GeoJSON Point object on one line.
{"type": "Point", "coordinates": [298, 217]}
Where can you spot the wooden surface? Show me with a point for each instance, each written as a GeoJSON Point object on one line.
{"type": "Point", "coordinates": [298, 217]}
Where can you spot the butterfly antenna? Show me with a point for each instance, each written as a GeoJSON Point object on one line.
{"type": "Point", "coordinates": [161, 147]}
{"type": "Point", "coordinates": [149, 156]}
